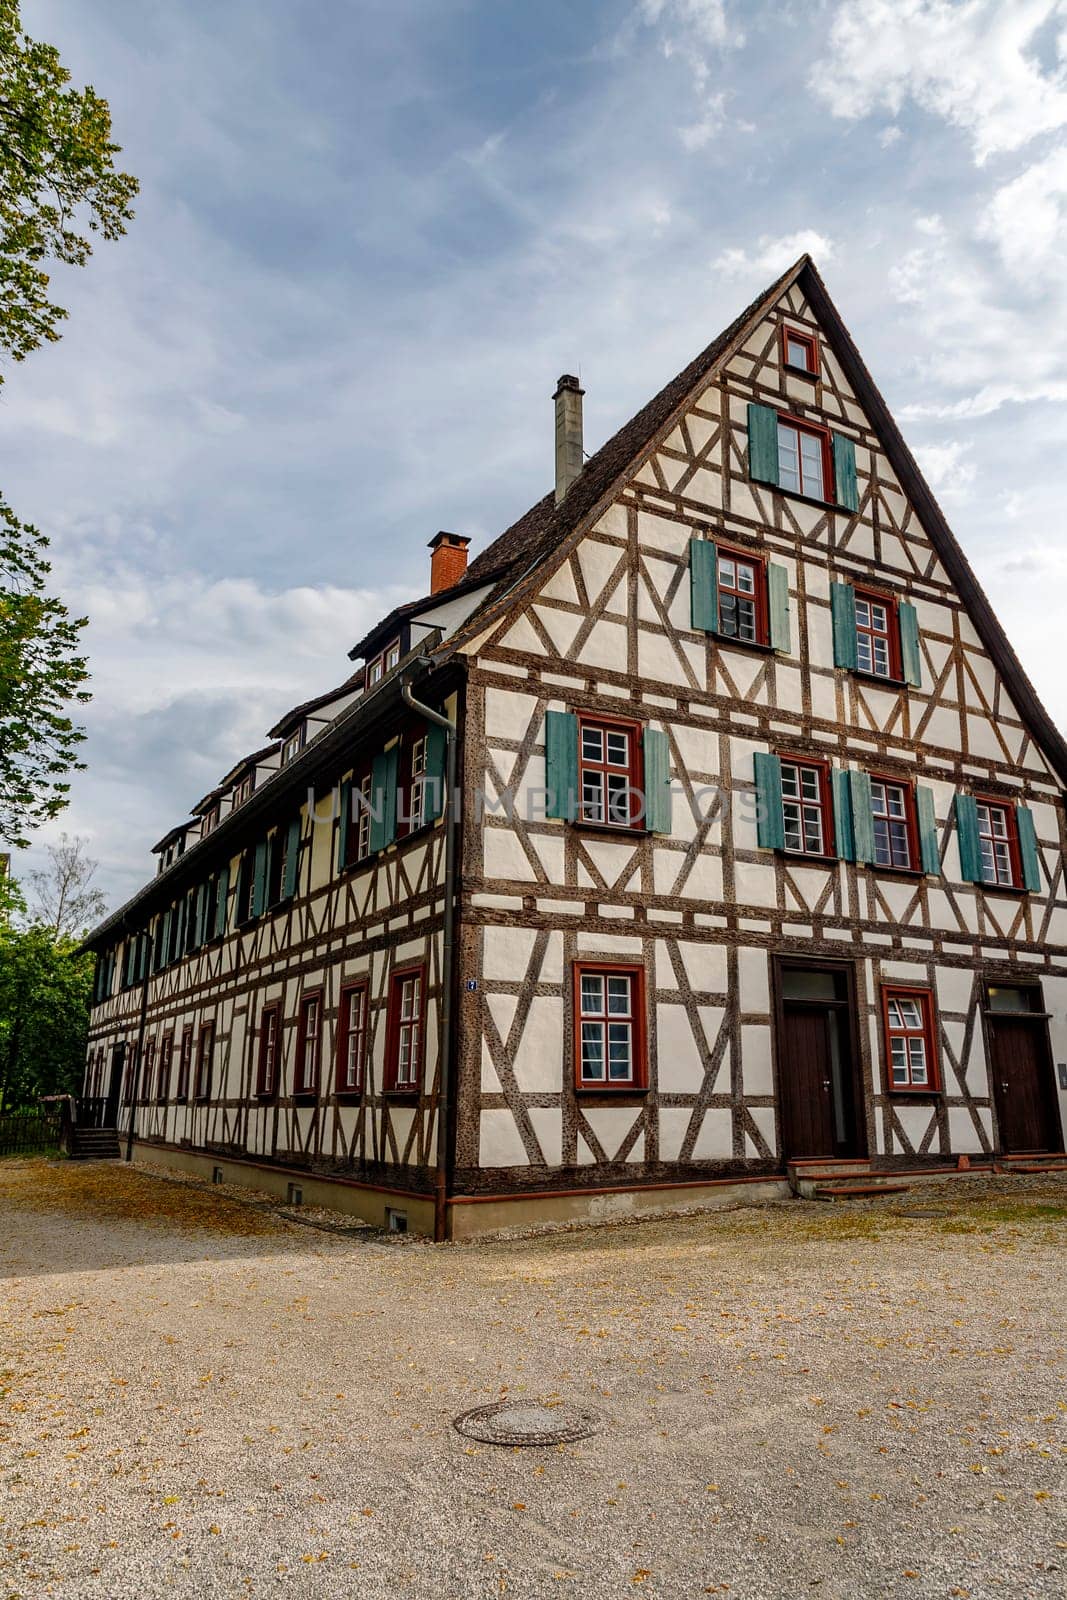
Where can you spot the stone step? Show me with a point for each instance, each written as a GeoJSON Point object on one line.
{"type": "Point", "coordinates": [855, 1191]}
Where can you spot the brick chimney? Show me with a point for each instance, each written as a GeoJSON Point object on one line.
{"type": "Point", "coordinates": [449, 560]}
{"type": "Point", "coordinates": [569, 457]}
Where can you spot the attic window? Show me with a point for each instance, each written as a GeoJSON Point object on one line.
{"type": "Point", "coordinates": [800, 351]}
{"type": "Point", "coordinates": [389, 658]}
{"type": "Point", "coordinates": [243, 790]}
{"type": "Point", "coordinates": [292, 745]}
{"type": "Point", "coordinates": [210, 821]}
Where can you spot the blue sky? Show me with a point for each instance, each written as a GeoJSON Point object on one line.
{"type": "Point", "coordinates": [371, 235]}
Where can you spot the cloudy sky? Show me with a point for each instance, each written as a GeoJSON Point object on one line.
{"type": "Point", "coordinates": [372, 233]}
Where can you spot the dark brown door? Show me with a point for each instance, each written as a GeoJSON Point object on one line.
{"type": "Point", "coordinates": [114, 1092]}
{"type": "Point", "coordinates": [1022, 1083]}
{"type": "Point", "coordinates": [816, 1076]}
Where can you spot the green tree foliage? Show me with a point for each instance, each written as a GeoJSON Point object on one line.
{"type": "Point", "coordinates": [45, 988]}
{"type": "Point", "coordinates": [58, 186]}
{"type": "Point", "coordinates": [57, 179]}
{"type": "Point", "coordinates": [41, 674]}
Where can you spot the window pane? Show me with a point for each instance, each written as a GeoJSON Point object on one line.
{"type": "Point", "coordinates": [917, 1059]}
{"type": "Point", "coordinates": [811, 462]}
{"type": "Point", "coordinates": [881, 658]}
{"type": "Point", "coordinates": [592, 992]}
{"type": "Point", "coordinates": [746, 618]}
{"type": "Point", "coordinates": [619, 995]}
{"type": "Point", "coordinates": [894, 1014]}
{"type": "Point", "coordinates": [864, 658]}
{"type": "Point", "coordinates": [813, 832]}
{"type": "Point", "coordinates": [727, 575]}
{"type": "Point", "coordinates": [899, 1060]}
{"type": "Point", "coordinates": [788, 458]}
{"type": "Point", "coordinates": [746, 578]}
{"type": "Point", "coordinates": [592, 1050]}
{"type": "Point", "coordinates": [790, 780]}
{"type": "Point", "coordinates": [910, 1013]}
{"type": "Point", "coordinates": [592, 744]}
{"type": "Point", "coordinates": [809, 783]}
{"type": "Point", "coordinates": [728, 615]}
{"type": "Point", "coordinates": [791, 815]}
{"type": "Point", "coordinates": [798, 354]}
{"type": "Point", "coordinates": [618, 749]}
{"type": "Point", "coordinates": [1002, 998]}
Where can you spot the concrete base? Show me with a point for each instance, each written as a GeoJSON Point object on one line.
{"type": "Point", "coordinates": [481, 1216]}
{"type": "Point", "coordinates": [336, 1194]}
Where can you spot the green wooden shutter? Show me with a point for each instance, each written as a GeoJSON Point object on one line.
{"type": "Point", "coordinates": [201, 914]}
{"type": "Point", "coordinates": [383, 798]}
{"type": "Point", "coordinates": [222, 901]}
{"type": "Point", "coordinates": [843, 619]}
{"type": "Point", "coordinates": [1028, 854]}
{"type": "Point", "coordinates": [164, 938]}
{"type": "Point", "coordinates": [179, 929]}
{"type": "Point", "coordinates": [770, 822]}
{"type": "Point", "coordinates": [292, 859]}
{"type": "Point", "coordinates": [142, 956]}
{"type": "Point", "coordinates": [436, 748]}
{"type": "Point", "coordinates": [658, 806]}
{"type": "Point", "coordinates": [842, 797]}
{"type": "Point", "coordinates": [845, 487]}
{"type": "Point", "coordinates": [778, 598]}
{"type": "Point", "coordinates": [924, 810]}
{"type": "Point", "coordinates": [342, 832]}
{"type": "Point", "coordinates": [967, 838]}
{"type": "Point", "coordinates": [910, 654]}
{"type": "Point", "coordinates": [762, 443]}
{"type": "Point", "coordinates": [561, 765]}
{"type": "Point", "coordinates": [259, 879]}
{"type": "Point", "coordinates": [862, 817]}
{"type": "Point", "coordinates": [703, 585]}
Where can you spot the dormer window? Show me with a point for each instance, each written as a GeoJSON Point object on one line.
{"type": "Point", "coordinates": [243, 790]}
{"type": "Point", "coordinates": [292, 746]}
{"type": "Point", "coordinates": [800, 351]}
{"type": "Point", "coordinates": [383, 663]}
{"type": "Point", "coordinates": [210, 820]}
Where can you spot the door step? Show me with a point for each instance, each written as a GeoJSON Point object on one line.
{"type": "Point", "coordinates": [95, 1144]}
{"type": "Point", "coordinates": [805, 1175]}
{"type": "Point", "coordinates": [855, 1191]}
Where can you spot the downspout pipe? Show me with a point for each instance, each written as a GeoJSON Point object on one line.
{"type": "Point", "coordinates": [444, 1057]}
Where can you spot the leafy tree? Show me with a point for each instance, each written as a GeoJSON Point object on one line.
{"type": "Point", "coordinates": [58, 185]}
{"type": "Point", "coordinates": [45, 988]}
{"type": "Point", "coordinates": [62, 896]}
{"type": "Point", "coordinates": [56, 168]}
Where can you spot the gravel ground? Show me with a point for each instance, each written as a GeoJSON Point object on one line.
{"type": "Point", "coordinates": [200, 1398]}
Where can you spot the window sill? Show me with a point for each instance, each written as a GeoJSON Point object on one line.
{"type": "Point", "coordinates": [611, 829]}
{"type": "Point", "coordinates": [410, 1095]}
{"type": "Point", "coordinates": [802, 860]}
{"type": "Point", "coordinates": [728, 642]}
{"type": "Point", "coordinates": [603, 1091]}
{"type": "Point", "coordinates": [305, 1095]}
{"type": "Point", "coordinates": [1014, 891]}
{"type": "Point", "coordinates": [266, 1097]}
{"type": "Point", "coordinates": [807, 499]}
{"type": "Point", "coordinates": [915, 873]}
{"type": "Point", "coordinates": [348, 1097]}
{"type": "Point", "coordinates": [898, 1092]}
{"type": "Point", "coordinates": [878, 679]}
{"type": "Point", "coordinates": [799, 372]}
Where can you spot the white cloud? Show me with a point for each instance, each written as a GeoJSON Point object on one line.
{"type": "Point", "coordinates": [971, 62]}
{"type": "Point", "coordinates": [698, 134]}
{"type": "Point", "coordinates": [889, 136]}
{"type": "Point", "coordinates": [772, 256]}
{"type": "Point", "coordinates": [1027, 218]}
{"type": "Point", "coordinates": [946, 468]}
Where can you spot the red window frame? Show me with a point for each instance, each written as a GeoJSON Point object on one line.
{"type": "Point", "coordinates": [269, 1052]}
{"type": "Point", "coordinates": [809, 341]}
{"type": "Point", "coordinates": [635, 1018]}
{"type": "Point", "coordinates": [891, 634]}
{"type": "Point", "coordinates": [726, 552]}
{"type": "Point", "coordinates": [243, 790]}
{"type": "Point", "coordinates": [205, 1050]}
{"type": "Point", "coordinates": [1010, 839]}
{"type": "Point", "coordinates": [166, 1055]}
{"type": "Point", "coordinates": [604, 770]}
{"type": "Point", "coordinates": [824, 803]}
{"type": "Point", "coordinates": [412, 785]}
{"type": "Point", "coordinates": [357, 841]}
{"type": "Point", "coordinates": [185, 1063]}
{"type": "Point", "coordinates": [817, 431]}
{"type": "Point", "coordinates": [353, 1017]}
{"type": "Point", "coordinates": [399, 1029]}
{"type": "Point", "coordinates": [925, 1031]}
{"type": "Point", "coordinates": [306, 1071]}
{"type": "Point", "coordinates": [909, 820]}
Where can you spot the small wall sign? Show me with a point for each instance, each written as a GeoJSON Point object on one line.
{"type": "Point", "coordinates": [472, 984]}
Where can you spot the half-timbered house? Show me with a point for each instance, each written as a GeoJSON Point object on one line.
{"type": "Point", "coordinates": [705, 824]}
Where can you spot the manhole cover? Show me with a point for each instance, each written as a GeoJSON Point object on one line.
{"type": "Point", "coordinates": [527, 1422]}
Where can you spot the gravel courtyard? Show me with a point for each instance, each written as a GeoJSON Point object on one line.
{"type": "Point", "coordinates": [202, 1398]}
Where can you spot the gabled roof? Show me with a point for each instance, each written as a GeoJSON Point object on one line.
{"type": "Point", "coordinates": [245, 763]}
{"type": "Point", "coordinates": [371, 643]}
{"type": "Point", "coordinates": [515, 559]}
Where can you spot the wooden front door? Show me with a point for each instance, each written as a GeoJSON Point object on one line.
{"type": "Point", "coordinates": [817, 1086]}
{"type": "Point", "coordinates": [1021, 1067]}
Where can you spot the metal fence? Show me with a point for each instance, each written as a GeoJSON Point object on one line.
{"type": "Point", "coordinates": [34, 1131]}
